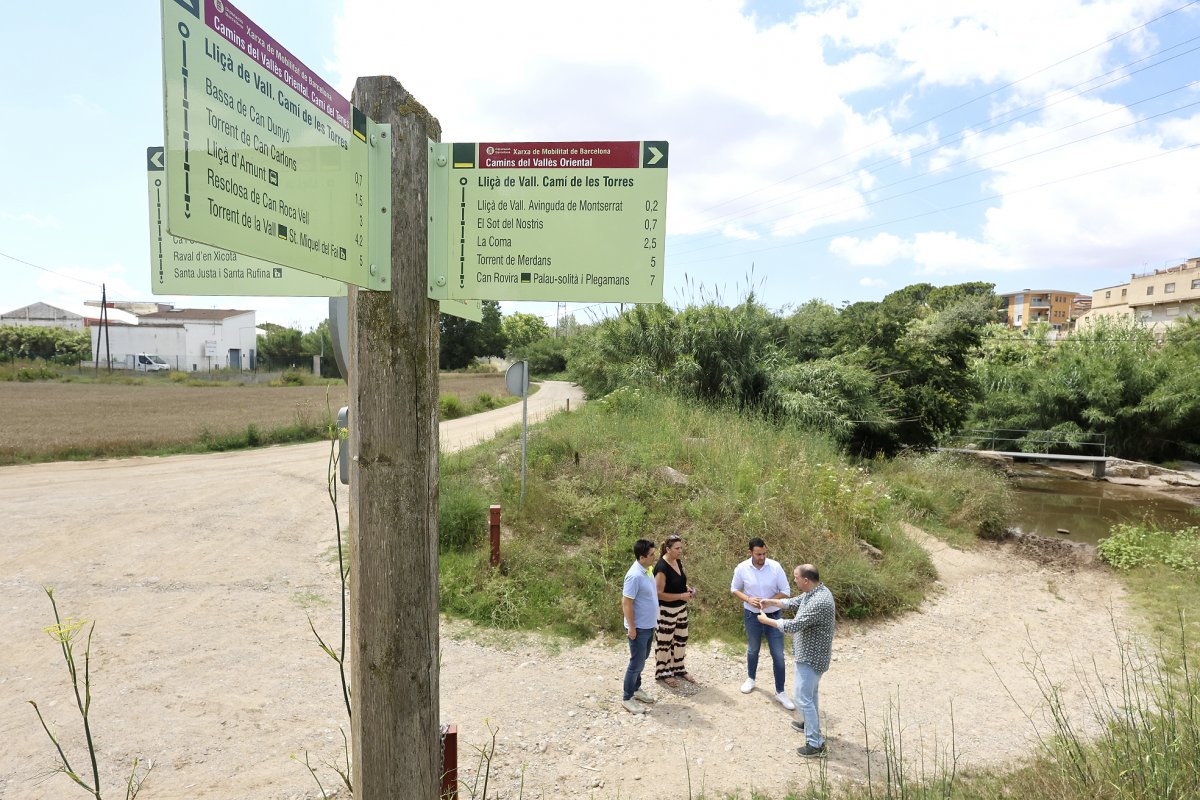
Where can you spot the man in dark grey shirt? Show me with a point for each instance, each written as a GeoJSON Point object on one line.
{"type": "Point", "coordinates": [812, 648]}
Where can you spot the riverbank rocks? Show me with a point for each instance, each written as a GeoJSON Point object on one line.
{"type": "Point", "coordinates": [871, 550]}
{"type": "Point", "coordinates": [671, 476]}
{"type": "Point", "coordinates": [1127, 469]}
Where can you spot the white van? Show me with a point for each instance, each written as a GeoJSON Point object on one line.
{"type": "Point", "coordinates": [144, 362]}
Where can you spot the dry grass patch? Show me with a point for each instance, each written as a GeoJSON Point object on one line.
{"type": "Point", "coordinates": [50, 420]}
{"type": "Point", "coordinates": [466, 386]}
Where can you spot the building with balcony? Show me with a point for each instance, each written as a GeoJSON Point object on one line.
{"type": "Point", "coordinates": [1056, 307]}
{"type": "Point", "coordinates": [1155, 299]}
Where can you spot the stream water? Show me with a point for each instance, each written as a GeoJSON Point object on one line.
{"type": "Point", "coordinates": [1047, 504]}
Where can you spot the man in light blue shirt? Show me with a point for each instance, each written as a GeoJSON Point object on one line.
{"type": "Point", "coordinates": [639, 606]}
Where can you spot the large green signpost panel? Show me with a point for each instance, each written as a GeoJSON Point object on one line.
{"type": "Point", "coordinates": [180, 266]}
{"type": "Point", "coordinates": [263, 157]}
{"type": "Point", "coordinates": [564, 221]}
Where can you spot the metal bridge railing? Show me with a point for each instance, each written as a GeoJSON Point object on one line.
{"type": "Point", "coordinates": [1023, 440]}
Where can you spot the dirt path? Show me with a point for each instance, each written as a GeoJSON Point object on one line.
{"type": "Point", "coordinates": [199, 570]}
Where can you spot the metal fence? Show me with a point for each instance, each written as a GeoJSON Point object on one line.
{"type": "Point", "coordinates": [1023, 440]}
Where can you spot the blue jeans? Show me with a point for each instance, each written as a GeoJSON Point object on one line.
{"type": "Point", "coordinates": [755, 630]}
{"type": "Point", "coordinates": [808, 702]}
{"type": "Point", "coordinates": [639, 651]}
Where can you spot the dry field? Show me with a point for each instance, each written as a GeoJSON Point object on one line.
{"type": "Point", "coordinates": [46, 418]}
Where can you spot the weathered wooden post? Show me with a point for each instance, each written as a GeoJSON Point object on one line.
{"type": "Point", "coordinates": [494, 533]}
{"type": "Point", "coordinates": [394, 482]}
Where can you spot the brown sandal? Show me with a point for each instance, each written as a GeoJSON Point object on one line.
{"type": "Point", "coordinates": [674, 684]}
{"type": "Point", "coordinates": [688, 677]}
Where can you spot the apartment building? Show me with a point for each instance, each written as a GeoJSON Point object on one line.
{"type": "Point", "coordinates": [1057, 307]}
{"type": "Point", "coordinates": [1155, 299]}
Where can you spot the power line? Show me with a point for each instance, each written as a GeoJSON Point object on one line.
{"type": "Point", "coordinates": [1115, 75]}
{"type": "Point", "coordinates": [962, 105]}
{"type": "Point", "coordinates": [990, 167]}
{"type": "Point", "coordinates": [45, 269]}
{"type": "Point", "coordinates": [952, 207]}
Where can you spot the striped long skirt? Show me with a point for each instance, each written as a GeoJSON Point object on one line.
{"type": "Point", "coordinates": [670, 641]}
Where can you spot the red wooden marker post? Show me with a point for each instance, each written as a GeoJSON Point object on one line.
{"type": "Point", "coordinates": [494, 526]}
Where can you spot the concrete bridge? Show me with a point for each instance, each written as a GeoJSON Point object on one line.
{"type": "Point", "coordinates": [1099, 463]}
{"type": "Point", "coordinates": [1010, 442]}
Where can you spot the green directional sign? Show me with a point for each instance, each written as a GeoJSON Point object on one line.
{"type": "Point", "coordinates": [564, 221]}
{"type": "Point", "coordinates": [263, 157]}
{"type": "Point", "coordinates": [463, 309]}
{"type": "Point", "coordinates": [180, 266]}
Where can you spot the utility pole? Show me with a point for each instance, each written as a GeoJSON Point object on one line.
{"type": "Point", "coordinates": [393, 358]}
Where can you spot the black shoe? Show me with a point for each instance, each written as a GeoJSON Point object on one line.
{"type": "Point", "coordinates": [798, 725]}
{"type": "Point", "coordinates": [808, 751]}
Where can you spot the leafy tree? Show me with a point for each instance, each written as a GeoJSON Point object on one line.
{"type": "Point", "coordinates": [545, 356]}
{"type": "Point", "coordinates": [637, 347]}
{"type": "Point", "coordinates": [521, 330]}
{"type": "Point", "coordinates": [280, 343]}
{"type": "Point", "coordinates": [812, 330]}
{"type": "Point", "coordinates": [828, 395]}
{"type": "Point", "coordinates": [462, 341]}
{"type": "Point", "coordinates": [921, 356]}
{"type": "Point", "coordinates": [60, 345]}
{"type": "Point", "coordinates": [319, 342]}
{"type": "Point", "coordinates": [1109, 379]}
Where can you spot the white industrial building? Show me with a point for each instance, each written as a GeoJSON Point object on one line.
{"type": "Point", "coordinates": [44, 315]}
{"type": "Point", "coordinates": [189, 339]}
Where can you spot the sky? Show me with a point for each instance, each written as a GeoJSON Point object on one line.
{"type": "Point", "coordinates": [821, 149]}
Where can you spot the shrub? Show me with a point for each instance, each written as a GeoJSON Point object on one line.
{"type": "Point", "coordinates": [1132, 545]}
{"type": "Point", "coordinates": [450, 407]}
{"type": "Point", "coordinates": [484, 402]}
{"type": "Point", "coordinates": [27, 374]}
{"type": "Point", "coordinates": [462, 516]}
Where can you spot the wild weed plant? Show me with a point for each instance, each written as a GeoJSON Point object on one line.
{"type": "Point", "coordinates": [1132, 545]}
{"type": "Point", "coordinates": [66, 634]}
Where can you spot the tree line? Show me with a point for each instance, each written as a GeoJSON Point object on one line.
{"type": "Point", "coordinates": [907, 371]}
{"type": "Point", "coordinates": [910, 370]}
{"type": "Point", "coordinates": [56, 345]}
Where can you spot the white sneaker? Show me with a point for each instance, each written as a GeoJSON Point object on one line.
{"type": "Point", "coordinates": [645, 698]}
{"type": "Point", "coordinates": [785, 701]}
{"type": "Point", "coordinates": [633, 706]}
{"type": "Point", "coordinates": [748, 686]}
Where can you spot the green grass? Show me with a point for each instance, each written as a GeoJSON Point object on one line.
{"type": "Point", "coordinates": [595, 485]}
{"type": "Point", "coordinates": [207, 442]}
{"type": "Point", "coordinates": [951, 496]}
{"type": "Point", "coordinates": [593, 488]}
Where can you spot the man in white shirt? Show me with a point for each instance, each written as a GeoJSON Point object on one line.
{"type": "Point", "coordinates": [754, 580]}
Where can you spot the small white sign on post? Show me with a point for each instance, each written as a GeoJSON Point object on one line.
{"type": "Point", "coordinates": [516, 378]}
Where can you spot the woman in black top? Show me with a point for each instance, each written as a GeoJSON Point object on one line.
{"type": "Point", "coordinates": [673, 594]}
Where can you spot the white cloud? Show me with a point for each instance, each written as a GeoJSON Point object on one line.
{"type": "Point", "coordinates": [767, 141]}
{"type": "Point", "coordinates": [738, 232]}
{"type": "Point", "coordinates": [25, 218]}
{"type": "Point", "coordinates": [879, 251]}
{"type": "Point", "coordinates": [744, 109]}
{"type": "Point", "coordinates": [973, 41]}
{"type": "Point", "coordinates": [871, 283]}
{"type": "Point", "coordinates": [942, 252]}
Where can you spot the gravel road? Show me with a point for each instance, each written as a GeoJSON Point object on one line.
{"type": "Point", "coordinates": [199, 571]}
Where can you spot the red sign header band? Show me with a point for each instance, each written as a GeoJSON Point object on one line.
{"type": "Point", "coordinates": [559, 155]}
